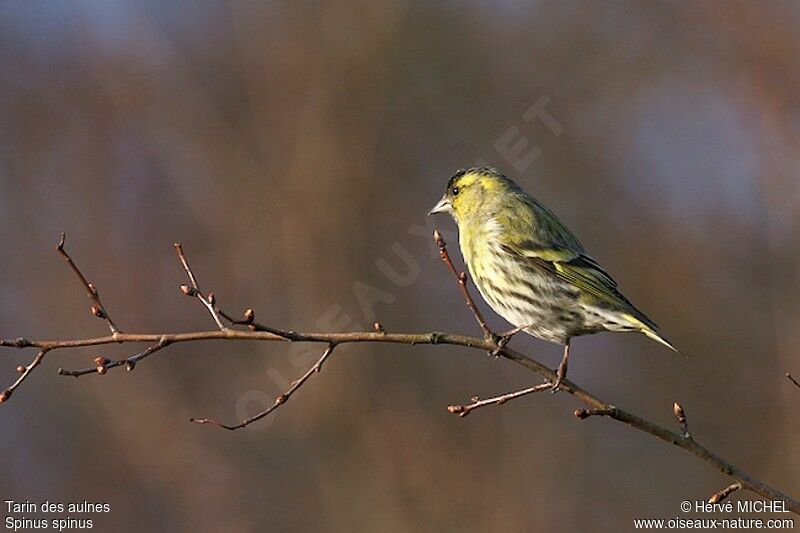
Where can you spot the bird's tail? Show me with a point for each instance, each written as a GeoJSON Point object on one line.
{"type": "Point", "coordinates": [658, 337]}
{"type": "Point", "coordinates": [649, 328]}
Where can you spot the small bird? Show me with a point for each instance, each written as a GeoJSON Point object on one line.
{"type": "Point", "coordinates": [530, 268]}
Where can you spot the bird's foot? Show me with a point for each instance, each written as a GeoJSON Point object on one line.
{"type": "Point", "coordinates": [501, 340]}
{"type": "Point", "coordinates": [561, 373]}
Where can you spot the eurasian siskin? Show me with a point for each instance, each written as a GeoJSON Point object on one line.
{"type": "Point", "coordinates": [530, 268]}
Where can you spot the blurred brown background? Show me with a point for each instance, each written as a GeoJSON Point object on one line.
{"type": "Point", "coordinates": [294, 147]}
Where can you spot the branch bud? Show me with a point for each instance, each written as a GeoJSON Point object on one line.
{"type": "Point", "coordinates": [211, 298]}
{"type": "Point", "coordinates": [93, 290]}
{"type": "Point", "coordinates": [129, 366]}
{"type": "Point", "coordinates": [679, 413]}
{"type": "Point", "coordinates": [188, 291]}
{"type": "Point", "coordinates": [378, 327]}
{"type": "Point", "coordinates": [437, 236]}
{"type": "Point", "coordinates": [5, 395]}
{"type": "Point", "coordinates": [21, 342]}
{"type": "Point", "coordinates": [249, 316]}
{"type": "Point", "coordinates": [101, 363]}
{"type": "Point", "coordinates": [459, 410]}
{"type": "Point", "coordinates": [21, 369]}
{"type": "Point", "coordinates": [98, 312]}
{"type": "Point", "coordinates": [581, 413]}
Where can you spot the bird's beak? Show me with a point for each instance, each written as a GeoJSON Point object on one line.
{"type": "Point", "coordinates": [444, 206]}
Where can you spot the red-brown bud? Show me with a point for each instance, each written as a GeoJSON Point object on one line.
{"type": "Point", "coordinates": [249, 316]}
{"type": "Point", "coordinates": [437, 236]}
{"type": "Point", "coordinates": [459, 410]}
{"type": "Point", "coordinates": [679, 413]}
{"type": "Point", "coordinates": [21, 369]}
{"type": "Point", "coordinates": [188, 291]}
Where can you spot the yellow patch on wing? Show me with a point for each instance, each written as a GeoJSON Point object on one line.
{"type": "Point", "coordinates": [594, 281]}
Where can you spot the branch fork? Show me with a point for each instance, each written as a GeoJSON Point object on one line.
{"type": "Point", "coordinates": [477, 403]}
{"type": "Point", "coordinates": [97, 309]}
{"type": "Point", "coordinates": [209, 301]}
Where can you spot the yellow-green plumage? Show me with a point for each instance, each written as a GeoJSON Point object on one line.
{"type": "Point", "coordinates": [529, 267]}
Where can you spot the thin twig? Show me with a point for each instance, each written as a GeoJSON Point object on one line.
{"type": "Point", "coordinates": [249, 321]}
{"type": "Point", "coordinates": [24, 372]}
{"type": "Point", "coordinates": [280, 400]}
{"type": "Point", "coordinates": [102, 364]}
{"type": "Point", "coordinates": [609, 411]}
{"type": "Point", "coordinates": [194, 289]}
{"type": "Point", "coordinates": [720, 496]}
{"type": "Point", "coordinates": [477, 403]}
{"type": "Point", "coordinates": [97, 308]}
{"type": "Point", "coordinates": [462, 281]}
{"type": "Point", "coordinates": [790, 378]}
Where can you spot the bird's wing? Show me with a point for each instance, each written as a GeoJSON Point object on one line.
{"type": "Point", "coordinates": [583, 272]}
{"type": "Point", "coordinates": [577, 269]}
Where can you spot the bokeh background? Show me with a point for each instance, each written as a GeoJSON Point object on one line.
{"type": "Point", "coordinates": [294, 148]}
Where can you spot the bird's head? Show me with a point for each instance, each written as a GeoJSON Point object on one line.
{"type": "Point", "coordinates": [472, 192]}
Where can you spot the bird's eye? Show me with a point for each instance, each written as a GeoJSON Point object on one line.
{"type": "Point", "coordinates": [454, 191]}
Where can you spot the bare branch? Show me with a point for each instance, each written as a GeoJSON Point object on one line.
{"type": "Point", "coordinates": [720, 496]}
{"type": "Point", "coordinates": [462, 282]}
{"type": "Point", "coordinates": [790, 378]}
{"type": "Point", "coordinates": [97, 308]}
{"type": "Point", "coordinates": [102, 364]}
{"type": "Point", "coordinates": [194, 289]}
{"type": "Point", "coordinates": [477, 403]}
{"type": "Point", "coordinates": [24, 372]}
{"type": "Point", "coordinates": [280, 400]}
{"type": "Point", "coordinates": [594, 406]}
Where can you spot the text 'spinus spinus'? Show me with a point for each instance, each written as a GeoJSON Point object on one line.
{"type": "Point", "coordinates": [530, 268]}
